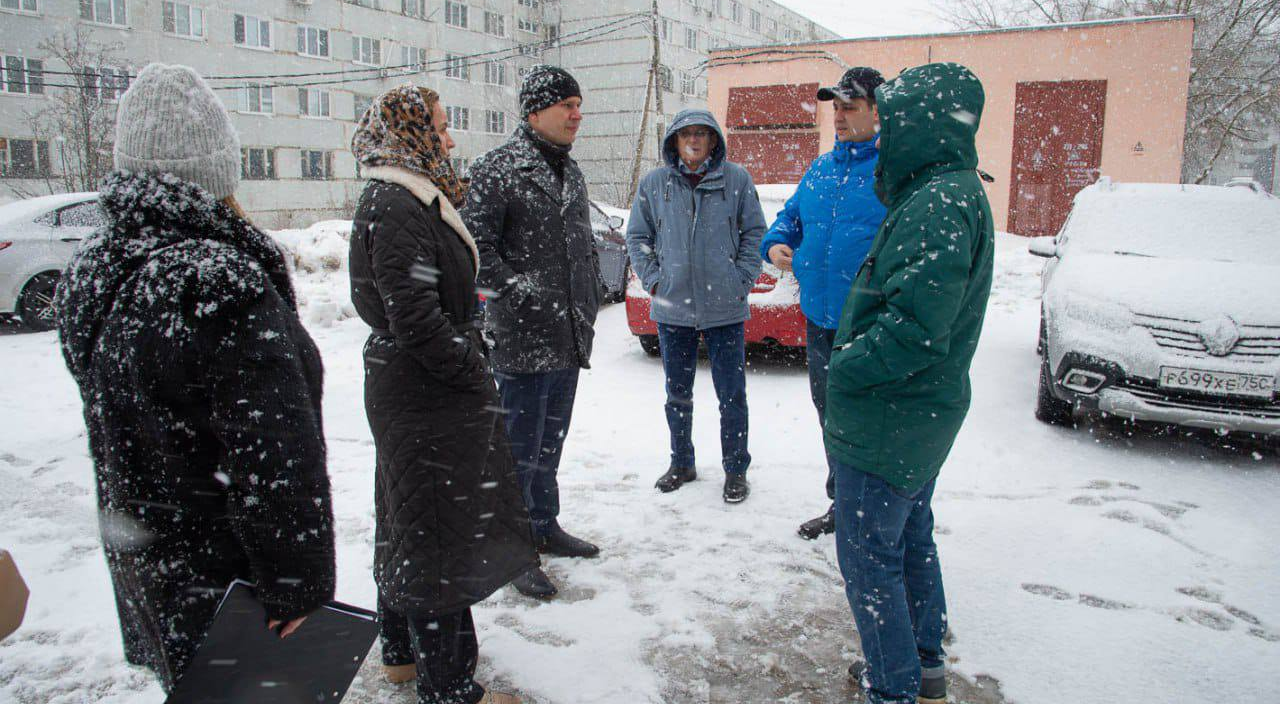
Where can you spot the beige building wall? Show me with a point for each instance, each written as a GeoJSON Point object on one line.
{"type": "Point", "coordinates": [1146, 63]}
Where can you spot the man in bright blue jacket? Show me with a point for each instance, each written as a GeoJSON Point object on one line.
{"type": "Point", "coordinates": [825, 231]}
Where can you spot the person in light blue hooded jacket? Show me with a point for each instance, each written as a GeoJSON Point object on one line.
{"type": "Point", "coordinates": [693, 239]}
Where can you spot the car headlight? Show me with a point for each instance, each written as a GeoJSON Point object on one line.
{"type": "Point", "coordinates": [1094, 313]}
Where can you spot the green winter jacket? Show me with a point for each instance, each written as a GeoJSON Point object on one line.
{"type": "Point", "coordinates": [898, 387]}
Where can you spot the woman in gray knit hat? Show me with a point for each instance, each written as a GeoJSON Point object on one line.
{"type": "Point", "coordinates": [201, 388]}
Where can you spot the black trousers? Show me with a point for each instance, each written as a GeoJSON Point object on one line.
{"type": "Point", "coordinates": [444, 649]}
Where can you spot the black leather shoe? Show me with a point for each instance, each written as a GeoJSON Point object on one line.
{"type": "Point", "coordinates": [822, 525]}
{"type": "Point", "coordinates": [675, 478]}
{"type": "Point", "coordinates": [856, 668]}
{"type": "Point", "coordinates": [535, 583]}
{"type": "Point", "coordinates": [558, 542]}
{"type": "Point", "coordinates": [736, 488]}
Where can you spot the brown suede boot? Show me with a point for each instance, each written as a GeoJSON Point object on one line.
{"type": "Point", "coordinates": [399, 674]}
{"type": "Point", "coordinates": [491, 697]}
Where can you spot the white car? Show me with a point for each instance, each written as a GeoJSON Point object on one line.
{"type": "Point", "coordinates": [1162, 303]}
{"type": "Point", "coordinates": [37, 238]}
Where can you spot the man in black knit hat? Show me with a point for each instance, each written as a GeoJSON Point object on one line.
{"type": "Point", "coordinates": [529, 214]}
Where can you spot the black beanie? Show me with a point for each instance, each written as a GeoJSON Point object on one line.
{"type": "Point", "coordinates": [545, 86]}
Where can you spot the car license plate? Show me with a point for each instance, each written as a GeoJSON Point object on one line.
{"type": "Point", "coordinates": [1219, 383]}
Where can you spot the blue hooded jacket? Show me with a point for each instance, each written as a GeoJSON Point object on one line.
{"type": "Point", "coordinates": [697, 245]}
{"type": "Point", "coordinates": [830, 223]}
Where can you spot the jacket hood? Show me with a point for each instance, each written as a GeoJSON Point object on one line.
{"type": "Point", "coordinates": [929, 119]}
{"type": "Point", "coordinates": [685, 118]}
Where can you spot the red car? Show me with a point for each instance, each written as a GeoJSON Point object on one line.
{"type": "Point", "coordinates": [775, 300]}
{"type": "Point", "coordinates": [775, 312]}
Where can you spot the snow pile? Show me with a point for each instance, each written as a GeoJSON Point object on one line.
{"type": "Point", "coordinates": [318, 255]}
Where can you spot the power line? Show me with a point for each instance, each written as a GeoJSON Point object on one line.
{"type": "Point", "coordinates": [511, 52]}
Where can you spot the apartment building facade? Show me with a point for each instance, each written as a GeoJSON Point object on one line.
{"type": "Point", "coordinates": [298, 74]}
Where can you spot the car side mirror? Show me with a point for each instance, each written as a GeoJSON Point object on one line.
{"type": "Point", "coordinates": [615, 222]}
{"type": "Point", "coordinates": [1046, 247]}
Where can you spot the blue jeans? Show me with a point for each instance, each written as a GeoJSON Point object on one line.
{"type": "Point", "coordinates": [884, 544]}
{"type": "Point", "coordinates": [817, 350]}
{"type": "Point", "coordinates": [727, 349]}
{"type": "Point", "coordinates": [538, 408]}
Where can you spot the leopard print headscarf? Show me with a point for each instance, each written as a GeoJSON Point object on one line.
{"type": "Point", "coordinates": [397, 131]}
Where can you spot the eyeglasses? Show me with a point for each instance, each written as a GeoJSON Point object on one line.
{"type": "Point", "coordinates": [695, 133]}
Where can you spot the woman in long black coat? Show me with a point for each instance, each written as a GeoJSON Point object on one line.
{"type": "Point", "coordinates": [451, 525]}
{"type": "Point", "coordinates": [201, 388]}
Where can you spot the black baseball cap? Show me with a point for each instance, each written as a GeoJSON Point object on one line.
{"type": "Point", "coordinates": [857, 82]}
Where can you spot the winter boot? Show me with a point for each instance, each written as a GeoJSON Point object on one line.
{"type": "Point", "coordinates": [556, 541]}
{"type": "Point", "coordinates": [675, 478]}
{"type": "Point", "coordinates": [399, 674]}
{"type": "Point", "coordinates": [491, 697]}
{"type": "Point", "coordinates": [736, 488]}
{"type": "Point", "coordinates": [822, 525]}
{"type": "Point", "coordinates": [535, 583]}
{"type": "Point", "coordinates": [933, 685]}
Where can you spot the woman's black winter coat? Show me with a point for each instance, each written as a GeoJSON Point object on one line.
{"type": "Point", "coordinates": [451, 527]}
{"type": "Point", "coordinates": [201, 395]}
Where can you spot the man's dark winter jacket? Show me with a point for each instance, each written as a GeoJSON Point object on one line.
{"type": "Point", "coordinates": [537, 257]}
{"type": "Point", "coordinates": [451, 524]}
{"type": "Point", "coordinates": [201, 395]}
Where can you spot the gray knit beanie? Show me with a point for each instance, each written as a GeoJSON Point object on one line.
{"type": "Point", "coordinates": [170, 121]}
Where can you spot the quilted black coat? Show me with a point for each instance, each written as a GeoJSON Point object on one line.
{"type": "Point", "coordinates": [201, 395]}
{"type": "Point", "coordinates": [537, 256]}
{"type": "Point", "coordinates": [451, 527]}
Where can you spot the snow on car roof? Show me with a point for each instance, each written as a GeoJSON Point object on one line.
{"type": "Point", "coordinates": [32, 208]}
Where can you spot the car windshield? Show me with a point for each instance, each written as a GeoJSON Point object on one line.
{"type": "Point", "coordinates": [1221, 226]}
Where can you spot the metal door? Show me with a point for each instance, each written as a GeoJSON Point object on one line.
{"type": "Point", "coordinates": [1057, 150]}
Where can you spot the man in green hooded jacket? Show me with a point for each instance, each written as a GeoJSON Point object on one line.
{"type": "Point", "coordinates": [899, 377]}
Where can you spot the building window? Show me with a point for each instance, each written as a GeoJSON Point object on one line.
{"type": "Point", "coordinates": [413, 8]}
{"type": "Point", "coordinates": [365, 50]}
{"type": "Point", "coordinates": [527, 3]}
{"type": "Point", "coordinates": [688, 83]}
{"type": "Point", "coordinates": [103, 11]}
{"type": "Point", "coordinates": [755, 20]}
{"type": "Point", "coordinates": [460, 165]}
{"type": "Point", "coordinates": [455, 14]}
{"type": "Point", "coordinates": [182, 20]}
{"type": "Point", "coordinates": [253, 32]}
{"type": "Point", "coordinates": [459, 118]}
{"type": "Point", "coordinates": [24, 158]}
{"type": "Point", "coordinates": [413, 58]}
{"type": "Point", "coordinates": [456, 66]}
{"type": "Point", "coordinates": [105, 83]}
{"type": "Point", "coordinates": [691, 38]}
{"type": "Point", "coordinates": [317, 164]}
{"type": "Point", "coordinates": [773, 29]}
{"type": "Point", "coordinates": [257, 164]}
{"type": "Point", "coordinates": [360, 105]}
{"type": "Point", "coordinates": [664, 29]}
{"type": "Point", "coordinates": [23, 5]}
{"type": "Point", "coordinates": [735, 10]}
{"type": "Point", "coordinates": [21, 75]}
{"type": "Point", "coordinates": [525, 25]}
{"type": "Point", "coordinates": [257, 98]}
{"type": "Point", "coordinates": [495, 73]}
{"type": "Point", "coordinates": [495, 24]}
{"type": "Point", "coordinates": [530, 49]}
{"type": "Point", "coordinates": [313, 102]}
{"type": "Point", "coordinates": [495, 121]}
{"type": "Point", "coordinates": [665, 80]}
{"type": "Point", "coordinates": [313, 41]}
{"type": "Point", "coordinates": [553, 33]}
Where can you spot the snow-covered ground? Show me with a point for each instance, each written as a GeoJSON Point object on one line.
{"type": "Point", "coordinates": [1099, 564]}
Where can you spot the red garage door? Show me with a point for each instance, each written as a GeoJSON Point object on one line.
{"type": "Point", "coordinates": [774, 157]}
{"type": "Point", "coordinates": [1057, 149]}
{"type": "Point", "coordinates": [773, 130]}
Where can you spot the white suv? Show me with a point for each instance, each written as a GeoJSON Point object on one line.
{"type": "Point", "coordinates": [1161, 303]}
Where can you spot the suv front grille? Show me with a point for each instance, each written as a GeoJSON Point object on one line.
{"type": "Point", "coordinates": [1258, 344]}
{"type": "Point", "coordinates": [1151, 393]}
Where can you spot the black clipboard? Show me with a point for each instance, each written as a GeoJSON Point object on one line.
{"type": "Point", "coordinates": [241, 661]}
